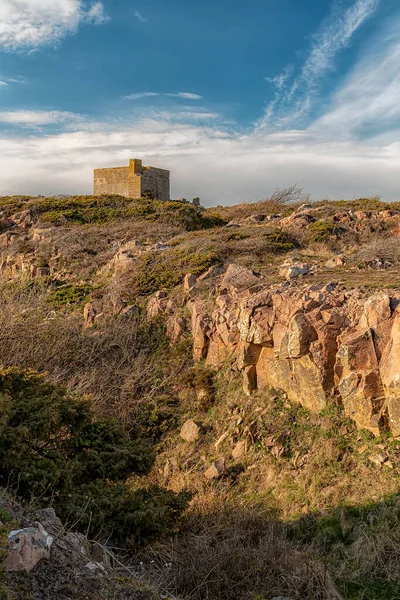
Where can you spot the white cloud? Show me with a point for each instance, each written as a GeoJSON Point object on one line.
{"type": "Point", "coordinates": [140, 17]}
{"type": "Point", "coordinates": [141, 95]}
{"type": "Point", "coordinates": [29, 24]}
{"type": "Point", "coordinates": [280, 80]}
{"type": "Point", "coordinates": [3, 83]}
{"type": "Point", "coordinates": [186, 115]}
{"type": "Point", "coordinates": [185, 96]}
{"type": "Point", "coordinates": [205, 161]}
{"type": "Point", "coordinates": [182, 95]}
{"type": "Point", "coordinates": [97, 14]}
{"type": "Point", "coordinates": [37, 117]}
{"type": "Point", "coordinates": [290, 104]}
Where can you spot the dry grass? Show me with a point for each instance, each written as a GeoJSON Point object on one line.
{"type": "Point", "coordinates": [278, 203]}
{"type": "Point", "coordinates": [235, 551]}
{"type": "Point", "coordinates": [317, 521]}
{"type": "Point", "coordinates": [123, 365]}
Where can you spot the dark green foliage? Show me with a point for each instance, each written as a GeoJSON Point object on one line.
{"type": "Point", "coordinates": [52, 447]}
{"type": "Point", "coordinates": [158, 270]}
{"type": "Point", "coordinates": [323, 231]}
{"type": "Point", "coordinates": [279, 241]}
{"type": "Point", "coordinates": [69, 294]}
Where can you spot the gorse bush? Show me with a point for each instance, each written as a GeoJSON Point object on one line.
{"type": "Point", "coordinates": [323, 231]}
{"type": "Point", "coordinates": [157, 270]}
{"type": "Point", "coordinates": [69, 294]}
{"type": "Point", "coordinates": [279, 241]}
{"type": "Point", "coordinates": [51, 447]}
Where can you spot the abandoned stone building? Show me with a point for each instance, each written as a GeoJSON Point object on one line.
{"type": "Point", "coordinates": [133, 181]}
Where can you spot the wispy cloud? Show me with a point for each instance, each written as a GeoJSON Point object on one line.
{"type": "Point", "coordinates": [280, 80]}
{"type": "Point", "coordinates": [182, 95]}
{"type": "Point", "coordinates": [141, 95]}
{"type": "Point", "coordinates": [3, 83]}
{"type": "Point", "coordinates": [12, 80]}
{"type": "Point", "coordinates": [30, 24]}
{"type": "Point", "coordinates": [97, 14]}
{"type": "Point", "coordinates": [367, 104]}
{"type": "Point", "coordinates": [294, 101]}
{"type": "Point", "coordinates": [185, 96]}
{"type": "Point", "coordinates": [140, 17]}
{"type": "Point", "coordinates": [187, 116]}
{"type": "Point", "coordinates": [38, 117]}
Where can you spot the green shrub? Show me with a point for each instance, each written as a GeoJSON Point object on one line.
{"type": "Point", "coordinates": [322, 231]}
{"type": "Point", "coordinates": [166, 269]}
{"type": "Point", "coordinates": [279, 241]}
{"type": "Point", "coordinates": [69, 294]}
{"type": "Point", "coordinates": [51, 446]}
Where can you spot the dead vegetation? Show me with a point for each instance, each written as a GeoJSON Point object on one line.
{"type": "Point", "coordinates": [281, 201]}
{"type": "Point", "coordinates": [125, 366]}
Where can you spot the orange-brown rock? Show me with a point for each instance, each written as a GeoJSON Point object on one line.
{"type": "Point", "coordinates": [312, 341]}
{"type": "Point", "coordinates": [358, 380]}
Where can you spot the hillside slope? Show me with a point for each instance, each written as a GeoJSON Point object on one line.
{"type": "Point", "coordinates": [254, 348]}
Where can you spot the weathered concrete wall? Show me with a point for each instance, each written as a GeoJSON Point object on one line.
{"type": "Point", "coordinates": [156, 182]}
{"type": "Point", "coordinates": [117, 180]}
{"type": "Point", "coordinates": [133, 181]}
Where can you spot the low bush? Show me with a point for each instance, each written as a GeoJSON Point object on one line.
{"type": "Point", "coordinates": [158, 270]}
{"type": "Point", "coordinates": [69, 294]}
{"type": "Point", "coordinates": [282, 201]}
{"type": "Point", "coordinates": [52, 447]}
{"type": "Point", "coordinates": [279, 241]}
{"type": "Point", "coordinates": [323, 231]}
{"type": "Point", "coordinates": [127, 365]}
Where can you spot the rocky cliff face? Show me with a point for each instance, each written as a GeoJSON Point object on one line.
{"type": "Point", "coordinates": [316, 342]}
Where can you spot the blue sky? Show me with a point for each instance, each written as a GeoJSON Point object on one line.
{"type": "Point", "coordinates": [237, 99]}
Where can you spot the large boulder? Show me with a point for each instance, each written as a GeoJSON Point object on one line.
{"type": "Point", "coordinates": [200, 329]}
{"type": "Point", "coordinates": [292, 270]}
{"type": "Point", "coordinates": [300, 335]}
{"type": "Point", "coordinates": [312, 341]}
{"type": "Point", "coordinates": [239, 278]}
{"type": "Point", "coordinates": [390, 376]}
{"type": "Point", "coordinates": [216, 469]}
{"type": "Point", "coordinates": [26, 547]}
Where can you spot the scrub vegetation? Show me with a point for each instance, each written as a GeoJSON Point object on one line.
{"type": "Point", "coordinates": [93, 395]}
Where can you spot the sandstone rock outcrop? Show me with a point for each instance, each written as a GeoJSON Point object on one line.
{"type": "Point", "coordinates": [315, 342]}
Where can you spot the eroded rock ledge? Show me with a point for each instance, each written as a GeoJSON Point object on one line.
{"type": "Point", "coordinates": [315, 342]}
